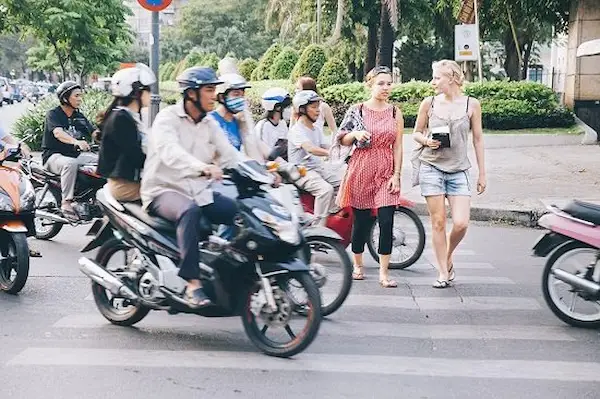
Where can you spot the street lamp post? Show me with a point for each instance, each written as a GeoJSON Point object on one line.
{"type": "Point", "coordinates": [154, 61]}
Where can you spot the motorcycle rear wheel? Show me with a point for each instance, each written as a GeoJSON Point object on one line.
{"type": "Point", "coordinates": [312, 316]}
{"type": "Point", "coordinates": [14, 268]}
{"type": "Point", "coordinates": [104, 303]}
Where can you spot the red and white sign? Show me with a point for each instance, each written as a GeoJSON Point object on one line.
{"type": "Point", "coordinates": [155, 5]}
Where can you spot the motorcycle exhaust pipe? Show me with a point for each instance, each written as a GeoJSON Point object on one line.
{"type": "Point", "coordinates": [106, 279]}
{"type": "Point", "coordinates": [51, 216]}
{"type": "Point", "coordinates": [587, 286]}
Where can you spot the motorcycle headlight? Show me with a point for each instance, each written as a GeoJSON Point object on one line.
{"type": "Point", "coordinates": [286, 230]}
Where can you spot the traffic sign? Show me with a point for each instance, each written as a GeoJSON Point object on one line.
{"type": "Point", "coordinates": [155, 5]}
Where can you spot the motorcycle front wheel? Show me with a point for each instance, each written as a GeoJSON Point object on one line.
{"type": "Point", "coordinates": [570, 304]}
{"type": "Point", "coordinates": [14, 262]}
{"type": "Point", "coordinates": [263, 325]}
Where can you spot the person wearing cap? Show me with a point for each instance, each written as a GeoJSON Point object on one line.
{"type": "Point", "coordinates": [184, 147]}
{"type": "Point", "coordinates": [65, 132]}
{"type": "Point", "coordinates": [121, 158]}
{"type": "Point", "coordinates": [306, 143]}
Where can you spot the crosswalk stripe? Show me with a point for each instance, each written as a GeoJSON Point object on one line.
{"type": "Point", "coordinates": [382, 365]}
{"type": "Point", "coordinates": [339, 328]}
{"type": "Point", "coordinates": [429, 280]}
{"type": "Point", "coordinates": [458, 266]}
{"type": "Point", "coordinates": [449, 303]}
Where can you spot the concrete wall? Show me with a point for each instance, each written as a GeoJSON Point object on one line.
{"type": "Point", "coordinates": [583, 74]}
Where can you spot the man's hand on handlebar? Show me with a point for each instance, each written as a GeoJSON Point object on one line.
{"type": "Point", "coordinates": [82, 145]}
{"type": "Point", "coordinates": [213, 172]}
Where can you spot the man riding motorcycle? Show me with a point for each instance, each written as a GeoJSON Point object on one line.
{"type": "Point", "coordinates": [65, 131]}
{"type": "Point", "coordinates": [183, 148]}
{"type": "Point", "coordinates": [304, 140]}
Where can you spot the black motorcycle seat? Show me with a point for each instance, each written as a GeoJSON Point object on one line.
{"type": "Point", "coordinates": [584, 211]}
{"type": "Point", "coordinates": [158, 223]}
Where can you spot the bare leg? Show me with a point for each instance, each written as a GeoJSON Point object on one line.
{"type": "Point", "coordinates": [437, 210]}
{"type": "Point", "coordinates": [461, 213]}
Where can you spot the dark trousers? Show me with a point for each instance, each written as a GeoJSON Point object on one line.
{"type": "Point", "coordinates": [188, 216]}
{"type": "Point", "coordinates": [362, 227]}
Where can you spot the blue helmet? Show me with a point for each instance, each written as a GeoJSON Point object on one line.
{"type": "Point", "coordinates": [196, 77]}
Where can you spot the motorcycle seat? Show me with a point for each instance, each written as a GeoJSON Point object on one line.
{"type": "Point", "coordinates": [584, 211]}
{"type": "Point", "coordinates": [157, 223]}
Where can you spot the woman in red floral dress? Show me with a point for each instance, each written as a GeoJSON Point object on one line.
{"type": "Point", "coordinates": [372, 180]}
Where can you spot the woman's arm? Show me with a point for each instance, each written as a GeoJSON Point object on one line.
{"type": "Point", "coordinates": [422, 121]}
{"type": "Point", "coordinates": [477, 128]}
{"type": "Point", "coordinates": [398, 145]}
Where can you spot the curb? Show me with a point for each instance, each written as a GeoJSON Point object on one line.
{"type": "Point", "coordinates": [525, 218]}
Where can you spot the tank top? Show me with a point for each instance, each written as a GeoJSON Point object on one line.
{"type": "Point", "coordinates": [454, 159]}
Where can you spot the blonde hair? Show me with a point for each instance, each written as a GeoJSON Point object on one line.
{"type": "Point", "coordinates": [378, 70]}
{"type": "Point", "coordinates": [451, 69]}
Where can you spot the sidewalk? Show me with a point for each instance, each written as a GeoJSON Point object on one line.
{"type": "Point", "coordinates": [520, 177]}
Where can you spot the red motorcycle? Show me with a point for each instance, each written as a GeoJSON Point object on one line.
{"type": "Point", "coordinates": [408, 234]}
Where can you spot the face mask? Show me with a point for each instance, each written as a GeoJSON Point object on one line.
{"type": "Point", "coordinates": [235, 105]}
{"type": "Point", "coordinates": [287, 114]}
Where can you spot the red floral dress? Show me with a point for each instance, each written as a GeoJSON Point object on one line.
{"type": "Point", "coordinates": [369, 170]}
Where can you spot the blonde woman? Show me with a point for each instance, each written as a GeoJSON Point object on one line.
{"type": "Point", "coordinates": [442, 129]}
{"type": "Point", "coordinates": [372, 180]}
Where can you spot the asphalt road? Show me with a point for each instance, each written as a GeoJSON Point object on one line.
{"type": "Point", "coordinates": [10, 113]}
{"type": "Point", "coordinates": [490, 336]}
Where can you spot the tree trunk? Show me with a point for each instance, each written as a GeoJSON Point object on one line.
{"type": "Point", "coordinates": [511, 63]}
{"type": "Point", "coordinates": [339, 20]}
{"type": "Point", "coordinates": [385, 55]}
{"type": "Point", "coordinates": [526, 57]}
{"type": "Point", "coordinates": [371, 47]}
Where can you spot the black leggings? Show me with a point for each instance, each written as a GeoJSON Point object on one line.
{"type": "Point", "coordinates": [362, 227]}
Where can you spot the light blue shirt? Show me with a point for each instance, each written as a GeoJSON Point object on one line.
{"type": "Point", "coordinates": [3, 133]}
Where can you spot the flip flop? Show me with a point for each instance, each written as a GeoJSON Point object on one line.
{"type": "Point", "coordinates": [358, 273]}
{"type": "Point", "coordinates": [441, 284]}
{"type": "Point", "coordinates": [387, 283]}
{"type": "Point", "coordinates": [197, 299]}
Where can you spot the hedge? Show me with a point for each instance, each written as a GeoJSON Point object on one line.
{"type": "Point", "coordinates": [264, 64]}
{"type": "Point", "coordinates": [310, 63]}
{"type": "Point", "coordinates": [94, 102]}
{"type": "Point", "coordinates": [522, 112]}
{"type": "Point", "coordinates": [246, 67]}
{"type": "Point", "coordinates": [334, 72]}
{"type": "Point", "coordinates": [284, 64]}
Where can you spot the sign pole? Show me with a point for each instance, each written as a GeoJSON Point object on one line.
{"type": "Point", "coordinates": [154, 61]}
{"type": "Point", "coordinates": [478, 42]}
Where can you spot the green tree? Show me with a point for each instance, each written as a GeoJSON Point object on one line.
{"type": "Point", "coordinates": [334, 72]}
{"type": "Point", "coordinates": [85, 36]}
{"type": "Point", "coordinates": [310, 63]}
{"type": "Point", "coordinates": [264, 64]}
{"type": "Point", "coordinates": [248, 66]}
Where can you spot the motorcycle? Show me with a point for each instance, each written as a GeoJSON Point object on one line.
{"type": "Point", "coordinates": [409, 232]}
{"type": "Point", "coordinates": [320, 241]}
{"type": "Point", "coordinates": [49, 218]}
{"type": "Point", "coordinates": [254, 275]}
{"type": "Point", "coordinates": [573, 234]}
{"type": "Point", "coordinates": [17, 207]}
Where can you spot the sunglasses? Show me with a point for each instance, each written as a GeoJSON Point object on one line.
{"type": "Point", "coordinates": [381, 69]}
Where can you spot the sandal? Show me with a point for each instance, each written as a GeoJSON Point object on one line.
{"type": "Point", "coordinates": [197, 298]}
{"type": "Point", "coordinates": [451, 274]}
{"type": "Point", "coordinates": [441, 284]}
{"type": "Point", "coordinates": [358, 273]}
{"type": "Point", "coordinates": [387, 283]}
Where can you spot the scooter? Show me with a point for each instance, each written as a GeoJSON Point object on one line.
{"type": "Point", "coordinates": [571, 289]}
{"type": "Point", "coordinates": [17, 210]}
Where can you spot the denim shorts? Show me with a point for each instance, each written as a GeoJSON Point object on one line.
{"type": "Point", "coordinates": [436, 182]}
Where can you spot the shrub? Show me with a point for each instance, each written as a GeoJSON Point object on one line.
{"type": "Point", "coordinates": [181, 66]}
{"type": "Point", "coordinates": [264, 65]}
{"type": "Point", "coordinates": [349, 93]}
{"type": "Point", "coordinates": [310, 63]}
{"type": "Point", "coordinates": [334, 72]}
{"type": "Point", "coordinates": [194, 58]}
{"type": "Point", "coordinates": [534, 93]}
{"type": "Point", "coordinates": [210, 60]}
{"type": "Point", "coordinates": [94, 101]}
{"type": "Point", "coordinates": [505, 114]}
{"type": "Point", "coordinates": [246, 67]}
{"type": "Point", "coordinates": [284, 64]}
{"type": "Point", "coordinates": [411, 91]}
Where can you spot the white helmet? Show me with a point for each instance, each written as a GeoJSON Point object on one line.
{"type": "Point", "coordinates": [126, 81]}
{"type": "Point", "coordinates": [304, 97]}
{"type": "Point", "coordinates": [231, 81]}
{"type": "Point", "coordinates": [275, 96]}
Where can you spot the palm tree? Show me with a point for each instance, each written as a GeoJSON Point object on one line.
{"type": "Point", "coordinates": [388, 25]}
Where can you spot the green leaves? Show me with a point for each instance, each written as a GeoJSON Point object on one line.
{"type": "Point", "coordinates": [310, 63]}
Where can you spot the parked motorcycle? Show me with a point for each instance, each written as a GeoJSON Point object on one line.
{"type": "Point", "coordinates": [49, 219]}
{"type": "Point", "coordinates": [17, 206]}
{"type": "Point", "coordinates": [571, 278]}
{"type": "Point", "coordinates": [255, 275]}
{"type": "Point", "coordinates": [408, 235]}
